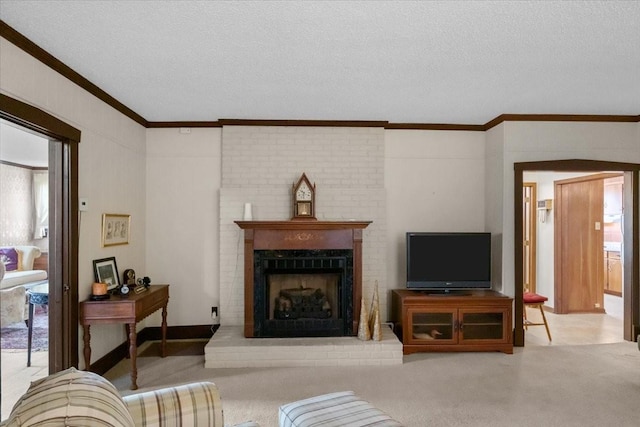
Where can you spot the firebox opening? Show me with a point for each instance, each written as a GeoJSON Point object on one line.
{"type": "Point", "coordinates": [303, 296]}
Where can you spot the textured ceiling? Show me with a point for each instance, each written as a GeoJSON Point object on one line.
{"type": "Point", "coordinates": [405, 62]}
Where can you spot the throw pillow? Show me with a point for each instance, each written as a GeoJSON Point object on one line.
{"type": "Point", "coordinates": [20, 258]}
{"type": "Point", "coordinates": [9, 257]}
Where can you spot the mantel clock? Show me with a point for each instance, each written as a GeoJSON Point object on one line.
{"type": "Point", "coordinates": [304, 199]}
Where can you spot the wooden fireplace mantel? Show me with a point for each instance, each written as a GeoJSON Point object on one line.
{"type": "Point", "coordinates": [309, 235]}
{"type": "Point", "coordinates": [302, 225]}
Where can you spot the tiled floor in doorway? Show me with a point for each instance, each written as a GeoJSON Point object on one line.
{"type": "Point", "coordinates": [577, 329]}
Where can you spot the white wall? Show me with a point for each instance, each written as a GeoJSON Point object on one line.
{"type": "Point", "coordinates": [183, 172]}
{"type": "Point", "coordinates": [111, 168]}
{"type": "Point", "coordinates": [434, 182]}
{"type": "Point", "coordinates": [494, 201]}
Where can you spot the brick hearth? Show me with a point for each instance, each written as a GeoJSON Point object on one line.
{"type": "Point", "coordinates": [229, 349]}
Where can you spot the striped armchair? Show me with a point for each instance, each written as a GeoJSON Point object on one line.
{"type": "Point", "coordinates": [82, 398]}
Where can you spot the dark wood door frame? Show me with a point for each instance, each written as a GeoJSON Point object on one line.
{"type": "Point", "coordinates": [631, 285]}
{"type": "Point", "coordinates": [63, 226]}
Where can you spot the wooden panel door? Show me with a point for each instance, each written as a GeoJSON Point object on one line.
{"type": "Point", "coordinates": [579, 246]}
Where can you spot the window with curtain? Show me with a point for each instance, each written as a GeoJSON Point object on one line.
{"type": "Point", "coordinates": [40, 204]}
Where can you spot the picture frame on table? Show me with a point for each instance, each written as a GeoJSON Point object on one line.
{"type": "Point", "coordinates": [115, 229]}
{"type": "Point", "coordinates": [105, 270]}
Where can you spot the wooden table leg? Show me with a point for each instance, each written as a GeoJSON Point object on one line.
{"type": "Point", "coordinates": [133, 350]}
{"type": "Point", "coordinates": [163, 347]}
{"type": "Point", "coordinates": [126, 334]}
{"type": "Point", "coordinates": [87, 347]}
{"type": "Point", "coordinates": [30, 332]}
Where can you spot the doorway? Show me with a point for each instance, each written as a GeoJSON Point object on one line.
{"type": "Point", "coordinates": [63, 226]}
{"type": "Point", "coordinates": [631, 227]}
{"type": "Point", "coordinates": [591, 314]}
{"type": "Point", "coordinates": [24, 160]}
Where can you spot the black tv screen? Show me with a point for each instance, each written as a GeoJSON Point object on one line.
{"type": "Point", "coordinates": [448, 261]}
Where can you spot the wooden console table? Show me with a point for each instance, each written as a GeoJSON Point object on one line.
{"type": "Point", "coordinates": [129, 311]}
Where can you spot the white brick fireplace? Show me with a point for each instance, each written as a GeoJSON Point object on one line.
{"type": "Point", "coordinates": [259, 166]}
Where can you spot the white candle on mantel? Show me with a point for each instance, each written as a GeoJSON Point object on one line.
{"type": "Point", "coordinates": [248, 216]}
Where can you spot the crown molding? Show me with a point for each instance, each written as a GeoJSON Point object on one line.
{"type": "Point", "coordinates": [321, 123]}
{"type": "Point", "coordinates": [560, 118]}
{"type": "Point", "coordinates": [52, 62]}
{"type": "Point", "coordinates": [410, 126]}
{"type": "Point", "coordinates": [55, 64]}
{"type": "Point", "coordinates": [194, 124]}
{"type": "Point", "coordinates": [260, 122]}
{"type": "Point", "coordinates": [434, 126]}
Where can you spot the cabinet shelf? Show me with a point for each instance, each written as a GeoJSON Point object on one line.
{"type": "Point", "coordinates": [475, 321]}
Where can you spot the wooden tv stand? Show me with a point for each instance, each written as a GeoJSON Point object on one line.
{"type": "Point", "coordinates": [474, 320]}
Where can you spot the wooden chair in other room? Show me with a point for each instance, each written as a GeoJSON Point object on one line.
{"type": "Point", "coordinates": [534, 300]}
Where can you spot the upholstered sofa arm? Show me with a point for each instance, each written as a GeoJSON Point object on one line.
{"type": "Point", "coordinates": [189, 404]}
{"type": "Point", "coordinates": [194, 404]}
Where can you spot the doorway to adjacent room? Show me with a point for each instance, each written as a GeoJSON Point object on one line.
{"type": "Point", "coordinates": [62, 229]}
{"type": "Point", "coordinates": [629, 223]}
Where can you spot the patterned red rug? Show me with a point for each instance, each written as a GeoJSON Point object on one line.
{"type": "Point", "coordinates": [14, 337]}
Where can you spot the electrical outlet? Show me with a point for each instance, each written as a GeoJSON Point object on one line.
{"type": "Point", "coordinates": [214, 312]}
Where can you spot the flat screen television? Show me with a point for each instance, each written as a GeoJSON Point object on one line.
{"type": "Point", "coordinates": [448, 261]}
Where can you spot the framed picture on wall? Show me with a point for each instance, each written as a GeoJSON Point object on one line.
{"type": "Point", "coordinates": [115, 229]}
{"type": "Point", "coordinates": [106, 271]}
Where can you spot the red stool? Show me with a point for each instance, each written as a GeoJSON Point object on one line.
{"type": "Point", "coordinates": [533, 300]}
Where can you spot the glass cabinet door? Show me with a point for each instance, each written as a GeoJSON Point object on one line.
{"type": "Point", "coordinates": [482, 325]}
{"type": "Point", "coordinates": [432, 326]}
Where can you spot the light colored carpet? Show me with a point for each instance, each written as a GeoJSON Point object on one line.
{"type": "Point", "coordinates": [576, 385]}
